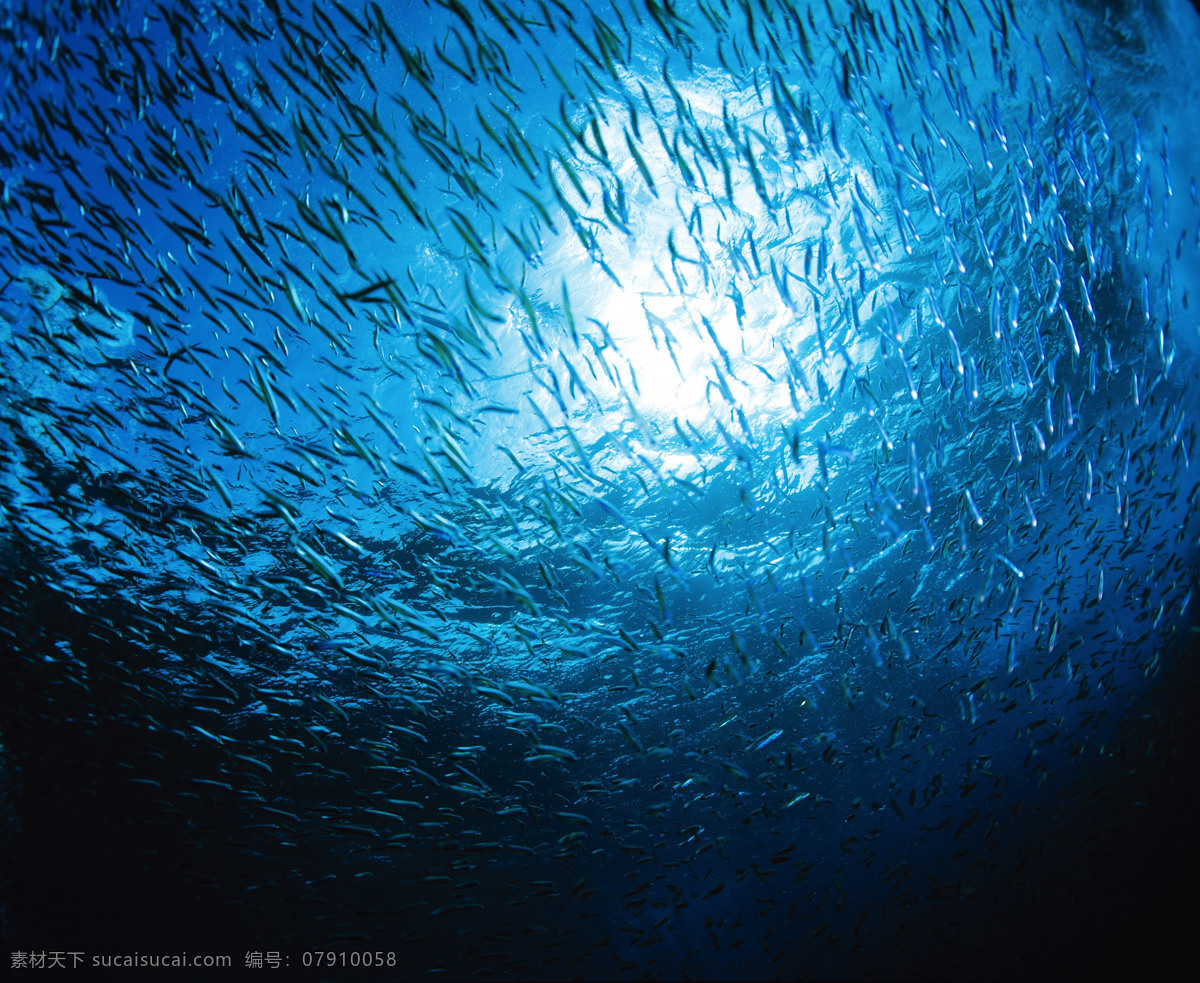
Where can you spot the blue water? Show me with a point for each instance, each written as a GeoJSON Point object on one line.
{"type": "Point", "coordinates": [539, 491]}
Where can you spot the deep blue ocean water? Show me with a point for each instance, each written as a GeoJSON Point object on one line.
{"type": "Point", "coordinates": [542, 491]}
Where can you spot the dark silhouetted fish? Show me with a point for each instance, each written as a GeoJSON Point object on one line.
{"type": "Point", "coordinates": [514, 488]}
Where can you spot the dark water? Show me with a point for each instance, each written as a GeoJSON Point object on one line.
{"type": "Point", "coordinates": [672, 491]}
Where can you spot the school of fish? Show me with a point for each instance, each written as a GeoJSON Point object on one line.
{"type": "Point", "coordinates": [580, 490]}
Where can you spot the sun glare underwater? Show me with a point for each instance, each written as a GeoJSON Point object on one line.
{"type": "Point", "coordinates": [526, 489]}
